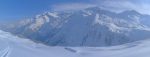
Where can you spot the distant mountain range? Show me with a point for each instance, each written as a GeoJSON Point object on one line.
{"type": "Point", "coordinates": [89, 27]}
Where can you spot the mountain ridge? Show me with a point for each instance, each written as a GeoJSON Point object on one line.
{"type": "Point", "coordinates": [88, 27]}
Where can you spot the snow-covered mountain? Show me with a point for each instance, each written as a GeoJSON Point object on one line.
{"type": "Point", "coordinates": [88, 27]}
{"type": "Point", "coordinates": [13, 46]}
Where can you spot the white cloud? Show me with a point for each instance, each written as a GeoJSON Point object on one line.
{"type": "Point", "coordinates": [121, 5]}
{"type": "Point", "coordinates": [71, 6]}
{"type": "Point", "coordinates": [114, 5]}
{"type": "Point", "coordinates": [117, 5]}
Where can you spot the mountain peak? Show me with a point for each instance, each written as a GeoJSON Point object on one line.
{"type": "Point", "coordinates": [131, 12]}
{"type": "Point", "coordinates": [93, 8]}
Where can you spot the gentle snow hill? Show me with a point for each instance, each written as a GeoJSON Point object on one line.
{"type": "Point", "coordinates": [12, 46]}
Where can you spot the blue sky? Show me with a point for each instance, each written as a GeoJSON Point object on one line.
{"type": "Point", "coordinates": [21, 9]}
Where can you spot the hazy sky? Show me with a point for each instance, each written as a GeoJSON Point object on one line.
{"type": "Point", "coordinates": [20, 9]}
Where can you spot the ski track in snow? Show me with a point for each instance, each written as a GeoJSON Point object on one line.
{"type": "Point", "coordinates": [5, 52]}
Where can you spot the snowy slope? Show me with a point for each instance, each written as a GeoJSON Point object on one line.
{"type": "Point", "coordinates": [135, 49]}
{"type": "Point", "coordinates": [12, 46]}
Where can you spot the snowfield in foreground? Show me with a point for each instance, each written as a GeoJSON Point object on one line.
{"type": "Point", "coordinates": [13, 46]}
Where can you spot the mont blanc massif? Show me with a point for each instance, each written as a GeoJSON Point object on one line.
{"type": "Point", "coordinates": [91, 32]}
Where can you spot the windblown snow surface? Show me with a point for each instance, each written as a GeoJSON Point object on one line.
{"type": "Point", "coordinates": [13, 46]}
